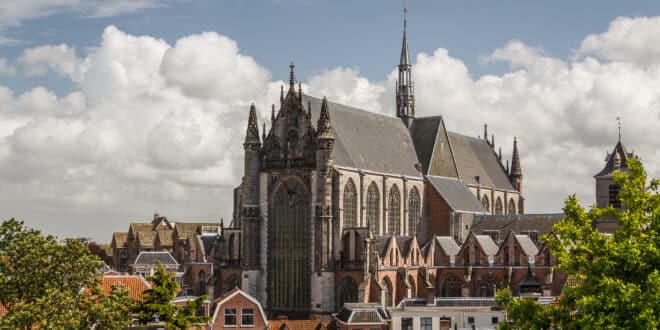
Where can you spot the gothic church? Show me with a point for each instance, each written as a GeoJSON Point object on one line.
{"type": "Point", "coordinates": [328, 190]}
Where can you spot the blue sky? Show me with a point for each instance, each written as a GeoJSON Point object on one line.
{"type": "Point", "coordinates": [111, 110]}
{"type": "Point", "coordinates": [363, 34]}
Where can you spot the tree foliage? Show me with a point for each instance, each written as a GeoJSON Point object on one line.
{"type": "Point", "coordinates": [157, 303]}
{"type": "Point", "coordinates": [618, 273]}
{"type": "Point", "coordinates": [53, 285]}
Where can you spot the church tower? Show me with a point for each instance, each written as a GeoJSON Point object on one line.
{"type": "Point", "coordinates": [405, 92]}
{"type": "Point", "coordinates": [607, 192]}
{"type": "Point", "coordinates": [249, 223]}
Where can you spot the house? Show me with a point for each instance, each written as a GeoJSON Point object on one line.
{"type": "Point", "coordinates": [238, 309]}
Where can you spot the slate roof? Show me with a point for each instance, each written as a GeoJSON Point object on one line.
{"type": "Point", "coordinates": [404, 243]}
{"type": "Point", "coordinates": [475, 157]}
{"type": "Point", "coordinates": [361, 313]}
{"type": "Point", "coordinates": [188, 229]}
{"type": "Point", "coordinates": [206, 242]}
{"type": "Point", "coordinates": [384, 146]}
{"type": "Point", "coordinates": [527, 245]}
{"type": "Point", "coordinates": [150, 258]}
{"type": "Point", "coordinates": [542, 223]}
{"type": "Point", "coordinates": [487, 244]}
{"type": "Point", "coordinates": [456, 194]}
{"type": "Point", "coordinates": [448, 245]}
{"type": "Point", "coordinates": [382, 242]}
{"type": "Point", "coordinates": [609, 165]}
{"type": "Point", "coordinates": [432, 147]}
{"type": "Point", "coordinates": [135, 285]}
{"type": "Point", "coordinates": [119, 239]}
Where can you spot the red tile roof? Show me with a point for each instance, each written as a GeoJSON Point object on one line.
{"type": "Point", "coordinates": [135, 285]}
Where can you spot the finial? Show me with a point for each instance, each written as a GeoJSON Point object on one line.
{"type": "Point", "coordinates": [263, 133]}
{"type": "Point", "coordinates": [292, 75]}
{"type": "Point", "coordinates": [486, 132]}
{"type": "Point", "coordinates": [281, 93]}
{"type": "Point", "coordinates": [222, 223]}
{"type": "Point", "coordinates": [300, 91]}
{"type": "Point", "coordinates": [492, 140]}
{"type": "Point", "coordinates": [309, 108]}
{"type": "Point", "coordinates": [618, 119]}
{"type": "Point", "coordinates": [272, 114]}
{"type": "Point", "coordinates": [499, 155]}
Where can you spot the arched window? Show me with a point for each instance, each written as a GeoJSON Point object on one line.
{"type": "Point", "coordinates": [485, 203]}
{"type": "Point", "coordinates": [201, 283]}
{"type": "Point", "coordinates": [413, 211]}
{"type": "Point", "coordinates": [451, 286]}
{"type": "Point", "coordinates": [350, 205]}
{"type": "Point", "coordinates": [512, 207]}
{"type": "Point", "coordinates": [394, 212]}
{"type": "Point", "coordinates": [347, 291]}
{"type": "Point", "coordinates": [372, 208]}
{"type": "Point", "coordinates": [487, 285]}
{"type": "Point", "coordinates": [498, 206]}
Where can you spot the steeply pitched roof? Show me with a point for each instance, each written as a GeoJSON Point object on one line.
{"type": "Point", "coordinates": [151, 258]}
{"type": "Point", "coordinates": [487, 244]}
{"type": "Point", "coordinates": [382, 243]}
{"type": "Point", "coordinates": [165, 237]}
{"type": "Point", "coordinates": [119, 239]}
{"type": "Point", "coordinates": [448, 245]}
{"type": "Point", "coordinates": [188, 229]}
{"type": "Point", "coordinates": [384, 145]}
{"type": "Point", "coordinates": [206, 243]}
{"type": "Point", "coordinates": [404, 243]}
{"type": "Point", "coordinates": [527, 245]}
{"type": "Point", "coordinates": [456, 194]}
{"type": "Point", "coordinates": [227, 297]}
{"type": "Point", "coordinates": [610, 167]}
{"type": "Point", "coordinates": [146, 238]}
{"type": "Point", "coordinates": [135, 285]}
{"type": "Point", "coordinates": [475, 157]}
{"type": "Point", "coordinates": [432, 146]}
{"type": "Point", "coordinates": [542, 223]}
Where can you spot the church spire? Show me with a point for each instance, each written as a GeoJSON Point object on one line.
{"type": "Point", "coordinates": [252, 133]}
{"type": "Point", "coordinates": [324, 127]}
{"type": "Point", "coordinates": [516, 170]}
{"type": "Point", "coordinates": [405, 98]}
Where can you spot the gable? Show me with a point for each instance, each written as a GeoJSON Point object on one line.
{"type": "Point", "coordinates": [432, 146]}
{"type": "Point", "coordinates": [475, 158]}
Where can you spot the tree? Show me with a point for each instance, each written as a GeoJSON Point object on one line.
{"type": "Point", "coordinates": [618, 273]}
{"type": "Point", "coordinates": [157, 303]}
{"type": "Point", "coordinates": [48, 284]}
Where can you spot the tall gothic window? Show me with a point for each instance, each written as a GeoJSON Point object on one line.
{"type": "Point", "coordinates": [289, 277]}
{"type": "Point", "coordinates": [487, 285]}
{"type": "Point", "coordinates": [394, 212]}
{"type": "Point", "coordinates": [498, 206]}
{"type": "Point", "coordinates": [201, 283]}
{"type": "Point", "coordinates": [413, 211]}
{"type": "Point", "coordinates": [350, 207]}
{"type": "Point", "coordinates": [485, 203]}
{"type": "Point", "coordinates": [347, 291]}
{"type": "Point", "coordinates": [372, 208]}
{"type": "Point", "coordinates": [512, 207]}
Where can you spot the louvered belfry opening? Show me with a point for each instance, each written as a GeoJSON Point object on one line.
{"type": "Point", "coordinates": [289, 236]}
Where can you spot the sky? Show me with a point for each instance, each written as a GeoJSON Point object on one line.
{"type": "Point", "coordinates": [113, 110]}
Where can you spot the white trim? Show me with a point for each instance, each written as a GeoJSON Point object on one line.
{"type": "Point", "coordinates": [247, 296]}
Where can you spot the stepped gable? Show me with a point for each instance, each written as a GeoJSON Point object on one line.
{"type": "Point", "coordinates": [475, 157]}
{"type": "Point", "coordinates": [456, 194]}
{"type": "Point", "coordinates": [368, 141]}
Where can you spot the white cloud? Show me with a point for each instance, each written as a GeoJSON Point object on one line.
{"type": "Point", "coordinates": [60, 59]}
{"type": "Point", "coordinates": [155, 126]}
{"type": "Point", "coordinates": [626, 39]}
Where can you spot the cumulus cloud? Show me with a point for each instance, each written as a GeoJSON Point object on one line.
{"type": "Point", "coordinates": [154, 126]}
{"type": "Point", "coordinates": [626, 39]}
{"type": "Point", "coordinates": [58, 58]}
{"type": "Point", "coordinates": [6, 69]}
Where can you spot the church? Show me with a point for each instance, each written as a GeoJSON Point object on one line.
{"type": "Point", "coordinates": [330, 191]}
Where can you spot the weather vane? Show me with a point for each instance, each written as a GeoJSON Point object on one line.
{"type": "Point", "coordinates": [618, 120]}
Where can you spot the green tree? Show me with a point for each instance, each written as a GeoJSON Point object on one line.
{"type": "Point", "coordinates": [48, 284]}
{"type": "Point", "coordinates": [157, 303]}
{"type": "Point", "coordinates": [618, 273]}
